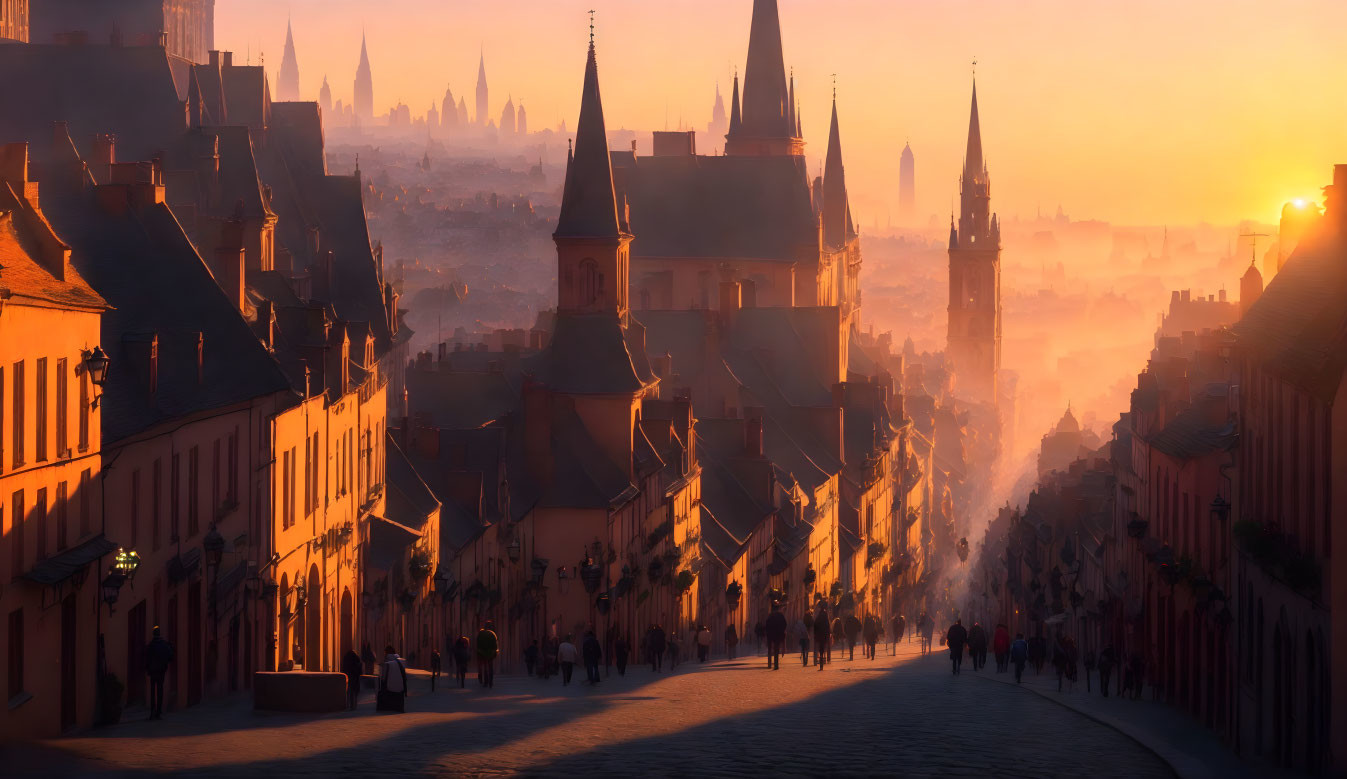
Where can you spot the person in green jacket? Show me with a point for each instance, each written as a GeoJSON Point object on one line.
{"type": "Point", "coordinates": [488, 646]}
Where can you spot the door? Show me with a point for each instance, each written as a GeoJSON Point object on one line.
{"type": "Point", "coordinates": [135, 655]}
{"type": "Point", "coordinates": [68, 644]}
{"type": "Point", "coordinates": [194, 643]}
{"type": "Point", "coordinates": [347, 622]}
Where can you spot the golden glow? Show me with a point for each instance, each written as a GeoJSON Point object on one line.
{"type": "Point", "coordinates": [1298, 202]}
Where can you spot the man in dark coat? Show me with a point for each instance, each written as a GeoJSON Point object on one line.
{"type": "Point", "coordinates": [956, 638]}
{"type": "Point", "coordinates": [775, 627]}
{"type": "Point", "coordinates": [592, 654]}
{"type": "Point", "coordinates": [352, 667]}
{"type": "Point", "coordinates": [656, 642]}
{"type": "Point", "coordinates": [977, 646]}
{"type": "Point", "coordinates": [158, 656]}
{"type": "Point", "coordinates": [851, 627]}
{"type": "Point", "coordinates": [822, 635]}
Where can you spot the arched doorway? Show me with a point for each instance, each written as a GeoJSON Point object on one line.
{"type": "Point", "coordinates": [313, 622]}
{"type": "Point", "coordinates": [347, 622]}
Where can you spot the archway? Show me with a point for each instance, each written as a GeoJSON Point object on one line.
{"type": "Point", "coordinates": [347, 622]}
{"type": "Point", "coordinates": [313, 622]}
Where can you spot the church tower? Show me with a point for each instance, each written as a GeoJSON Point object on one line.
{"type": "Point", "coordinates": [481, 92]}
{"type": "Point", "coordinates": [907, 186]}
{"type": "Point", "coordinates": [593, 242]}
{"type": "Point", "coordinates": [768, 126]}
{"type": "Point", "coordinates": [364, 86]}
{"type": "Point", "coordinates": [287, 82]}
{"type": "Point", "coordinates": [974, 329]}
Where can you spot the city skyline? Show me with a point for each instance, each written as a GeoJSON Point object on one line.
{"type": "Point", "coordinates": [1223, 138]}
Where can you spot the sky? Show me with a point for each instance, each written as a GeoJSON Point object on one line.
{"type": "Point", "coordinates": [1131, 111]}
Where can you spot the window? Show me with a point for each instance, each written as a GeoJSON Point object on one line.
{"type": "Point", "coordinates": [193, 491]}
{"type": "Point", "coordinates": [62, 400]}
{"type": "Point", "coordinates": [84, 411]}
{"type": "Point", "coordinates": [40, 412]}
{"type": "Point", "coordinates": [135, 507]}
{"type": "Point", "coordinates": [17, 520]}
{"type": "Point", "coordinates": [308, 472]}
{"type": "Point", "coordinates": [40, 522]}
{"type": "Point", "coordinates": [156, 487]}
{"type": "Point", "coordinates": [17, 413]}
{"type": "Point", "coordinates": [287, 488]}
{"type": "Point", "coordinates": [174, 492]}
{"type": "Point", "coordinates": [2, 419]}
{"type": "Point", "coordinates": [86, 484]}
{"type": "Point", "coordinates": [313, 475]}
{"type": "Point", "coordinates": [16, 653]}
{"type": "Point", "coordinates": [62, 517]}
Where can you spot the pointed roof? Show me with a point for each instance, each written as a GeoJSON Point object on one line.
{"type": "Point", "coordinates": [364, 55]}
{"type": "Point", "coordinates": [287, 81]}
{"type": "Point", "coordinates": [836, 211]}
{"type": "Point", "coordinates": [766, 95]}
{"type": "Point", "coordinates": [589, 206]}
{"type": "Point", "coordinates": [973, 162]}
{"type": "Point", "coordinates": [736, 120]}
{"type": "Point", "coordinates": [481, 71]}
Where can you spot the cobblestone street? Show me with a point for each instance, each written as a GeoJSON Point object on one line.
{"type": "Point", "coordinates": [904, 715]}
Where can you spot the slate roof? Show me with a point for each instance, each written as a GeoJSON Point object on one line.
{"type": "Point", "coordinates": [1189, 435]}
{"type": "Point", "coordinates": [583, 477]}
{"type": "Point", "coordinates": [22, 276]}
{"type": "Point", "coordinates": [589, 355]}
{"type": "Point", "coordinates": [720, 207]}
{"type": "Point", "coordinates": [460, 399]}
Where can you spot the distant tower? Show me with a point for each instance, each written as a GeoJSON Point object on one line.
{"type": "Point", "coordinates": [507, 117]}
{"type": "Point", "coordinates": [432, 118]}
{"type": "Point", "coordinates": [974, 329]}
{"type": "Point", "coordinates": [325, 98]}
{"type": "Point", "coordinates": [768, 125]}
{"type": "Point", "coordinates": [463, 112]}
{"type": "Point", "coordinates": [907, 186]}
{"type": "Point", "coordinates": [364, 87]}
{"type": "Point", "coordinates": [521, 121]}
{"type": "Point", "coordinates": [1250, 289]}
{"type": "Point", "coordinates": [449, 111]}
{"type": "Point", "coordinates": [481, 92]}
{"type": "Point", "coordinates": [287, 83]}
{"type": "Point", "coordinates": [720, 123]}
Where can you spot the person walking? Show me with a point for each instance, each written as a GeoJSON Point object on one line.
{"type": "Point", "coordinates": [1038, 653]}
{"type": "Point", "coordinates": [158, 657]}
{"type": "Point", "coordinates": [956, 638]}
{"type": "Point", "coordinates": [1019, 655]}
{"type": "Point", "coordinates": [531, 657]}
{"type": "Point", "coordinates": [621, 648]}
{"type": "Point", "coordinates": [851, 628]}
{"type": "Point", "coordinates": [731, 641]}
{"type": "Point", "coordinates": [434, 668]}
{"type": "Point", "coordinates": [1107, 659]}
{"type": "Point", "coordinates": [1059, 660]}
{"type": "Point", "coordinates": [488, 646]}
{"type": "Point", "coordinates": [775, 627]}
{"type": "Point", "coordinates": [1001, 647]}
{"type": "Point", "coordinates": [549, 662]}
{"type": "Point", "coordinates": [703, 643]}
{"type": "Point", "coordinates": [1091, 662]}
{"type": "Point", "coordinates": [392, 695]}
{"type": "Point", "coordinates": [899, 626]}
{"type": "Point", "coordinates": [462, 655]}
{"type": "Point", "coordinates": [802, 638]}
{"type": "Point", "coordinates": [977, 646]}
{"type": "Point", "coordinates": [593, 653]}
{"type": "Point", "coordinates": [567, 656]}
{"type": "Point", "coordinates": [656, 643]}
{"type": "Point", "coordinates": [352, 667]}
{"type": "Point", "coordinates": [822, 635]}
{"type": "Point", "coordinates": [870, 632]}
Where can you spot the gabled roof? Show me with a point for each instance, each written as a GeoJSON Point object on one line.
{"type": "Point", "coordinates": [1190, 435]}
{"type": "Point", "coordinates": [584, 477]}
{"type": "Point", "coordinates": [22, 276]}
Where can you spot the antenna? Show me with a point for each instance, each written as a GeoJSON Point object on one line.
{"type": "Point", "coordinates": [1253, 245]}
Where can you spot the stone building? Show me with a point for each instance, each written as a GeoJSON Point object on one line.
{"type": "Point", "coordinates": [183, 28]}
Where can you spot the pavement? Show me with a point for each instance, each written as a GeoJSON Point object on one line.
{"type": "Point", "coordinates": [894, 715]}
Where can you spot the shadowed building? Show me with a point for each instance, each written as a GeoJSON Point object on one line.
{"type": "Point", "coordinates": [767, 122]}
{"type": "Point", "coordinates": [185, 28]}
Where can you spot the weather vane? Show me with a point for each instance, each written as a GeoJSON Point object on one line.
{"type": "Point", "coordinates": [975, 67]}
{"type": "Point", "coordinates": [591, 27]}
{"type": "Point", "coordinates": [834, 86]}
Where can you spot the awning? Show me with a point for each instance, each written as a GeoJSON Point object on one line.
{"type": "Point", "coordinates": [57, 569]}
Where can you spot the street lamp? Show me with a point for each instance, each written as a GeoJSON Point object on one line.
{"type": "Point", "coordinates": [1220, 509]}
{"type": "Point", "coordinates": [96, 363]}
{"type": "Point", "coordinates": [126, 562]}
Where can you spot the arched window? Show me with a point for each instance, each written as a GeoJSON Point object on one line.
{"type": "Point", "coordinates": [591, 281]}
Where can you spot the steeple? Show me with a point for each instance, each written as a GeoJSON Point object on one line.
{"type": "Point", "coordinates": [325, 97]}
{"type": "Point", "coordinates": [975, 185]}
{"type": "Point", "coordinates": [973, 166]}
{"type": "Point", "coordinates": [790, 112]}
{"type": "Point", "coordinates": [287, 82]}
{"type": "Point", "coordinates": [736, 120]}
{"type": "Point", "coordinates": [448, 110]}
{"type": "Point", "coordinates": [768, 121]}
{"type": "Point", "coordinates": [364, 85]}
{"type": "Point", "coordinates": [836, 211]}
{"type": "Point", "coordinates": [482, 109]}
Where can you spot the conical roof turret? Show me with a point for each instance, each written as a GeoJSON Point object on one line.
{"type": "Point", "coordinates": [588, 205]}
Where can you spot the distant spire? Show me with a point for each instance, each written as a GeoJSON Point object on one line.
{"type": "Point", "coordinates": [287, 82]}
{"type": "Point", "coordinates": [482, 93]}
{"type": "Point", "coordinates": [973, 163]}
{"type": "Point", "coordinates": [836, 210]}
{"type": "Point", "coordinates": [736, 121]}
{"type": "Point", "coordinates": [766, 109]}
{"type": "Point", "coordinates": [364, 84]}
{"type": "Point", "coordinates": [790, 113]}
{"type": "Point", "coordinates": [588, 204]}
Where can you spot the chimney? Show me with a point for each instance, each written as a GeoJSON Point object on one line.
{"type": "Point", "coordinates": [214, 60]}
{"type": "Point", "coordinates": [104, 154]}
{"type": "Point", "coordinates": [313, 242]}
{"type": "Point", "coordinates": [663, 365]}
{"type": "Point", "coordinates": [266, 318]}
{"type": "Point", "coordinates": [226, 59]}
{"type": "Point", "coordinates": [230, 263]}
{"type": "Point", "coordinates": [200, 343]}
{"type": "Point", "coordinates": [427, 440]}
{"type": "Point", "coordinates": [731, 300]}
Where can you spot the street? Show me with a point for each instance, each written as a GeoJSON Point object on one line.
{"type": "Point", "coordinates": [905, 715]}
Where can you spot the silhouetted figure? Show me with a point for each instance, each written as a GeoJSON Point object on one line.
{"type": "Point", "coordinates": [656, 643]}
{"type": "Point", "coordinates": [488, 646]}
{"type": "Point", "coordinates": [531, 657]}
{"type": "Point", "coordinates": [368, 658]}
{"type": "Point", "coordinates": [1091, 662]}
{"type": "Point", "coordinates": [731, 641]}
{"type": "Point", "coordinates": [801, 631]}
{"type": "Point", "coordinates": [462, 655]}
{"type": "Point", "coordinates": [775, 627]}
{"type": "Point", "coordinates": [621, 648]}
{"type": "Point", "coordinates": [703, 643]}
{"type": "Point", "coordinates": [567, 656]}
{"type": "Point", "coordinates": [851, 628]}
{"type": "Point", "coordinates": [434, 668]}
{"type": "Point", "coordinates": [822, 635]}
{"type": "Point", "coordinates": [1038, 653]}
{"type": "Point", "coordinates": [870, 632]}
{"type": "Point", "coordinates": [977, 646]}
{"type": "Point", "coordinates": [1107, 659]}
{"type": "Point", "coordinates": [392, 694]}
{"type": "Point", "coordinates": [899, 627]}
{"type": "Point", "coordinates": [352, 667]}
{"type": "Point", "coordinates": [1019, 655]}
{"type": "Point", "coordinates": [1059, 660]}
{"type": "Point", "coordinates": [593, 653]}
{"type": "Point", "coordinates": [674, 648]}
{"type": "Point", "coordinates": [158, 656]}
{"type": "Point", "coordinates": [956, 638]}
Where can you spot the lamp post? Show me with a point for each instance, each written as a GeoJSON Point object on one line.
{"type": "Point", "coordinates": [96, 363]}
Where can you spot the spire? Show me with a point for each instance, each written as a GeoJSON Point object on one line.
{"type": "Point", "coordinates": [736, 122]}
{"type": "Point", "coordinates": [790, 112]}
{"type": "Point", "coordinates": [836, 211]}
{"type": "Point", "coordinates": [364, 84]}
{"type": "Point", "coordinates": [589, 206]}
{"type": "Point", "coordinates": [482, 107]}
{"type": "Point", "coordinates": [766, 95]}
{"type": "Point", "coordinates": [287, 82]}
{"type": "Point", "coordinates": [973, 163]}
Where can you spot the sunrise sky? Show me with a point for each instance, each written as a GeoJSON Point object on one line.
{"type": "Point", "coordinates": [1136, 111]}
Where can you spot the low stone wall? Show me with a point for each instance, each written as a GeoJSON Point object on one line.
{"type": "Point", "coordinates": [309, 691]}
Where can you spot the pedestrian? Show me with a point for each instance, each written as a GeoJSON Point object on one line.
{"type": "Point", "coordinates": [1107, 659]}
{"type": "Point", "coordinates": [568, 656]}
{"type": "Point", "coordinates": [1019, 655]}
{"type": "Point", "coordinates": [977, 646]}
{"type": "Point", "coordinates": [1001, 647]}
{"type": "Point", "coordinates": [899, 626]}
{"type": "Point", "coordinates": [851, 628]}
{"type": "Point", "coordinates": [592, 653]}
{"type": "Point", "coordinates": [922, 632]}
{"type": "Point", "coordinates": [531, 657]}
{"type": "Point", "coordinates": [956, 638]}
{"type": "Point", "coordinates": [352, 667]}
{"type": "Point", "coordinates": [775, 627]}
{"type": "Point", "coordinates": [434, 668]}
{"type": "Point", "coordinates": [822, 635]}
{"type": "Point", "coordinates": [802, 638]}
{"type": "Point", "coordinates": [731, 641]}
{"type": "Point", "coordinates": [549, 663]}
{"type": "Point", "coordinates": [392, 694]}
{"type": "Point", "coordinates": [703, 643]}
{"type": "Point", "coordinates": [462, 656]}
{"type": "Point", "coordinates": [1038, 653]}
{"type": "Point", "coordinates": [621, 647]}
{"type": "Point", "coordinates": [674, 648]}
{"type": "Point", "coordinates": [870, 632]}
{"type": "Point", "coordinates": [1072, 662]}
{"type": "Point", "coordinates": [1059, 660]}
{"type": "Point", "coordinates": [656, 643]}
{"type": "Point", "coordinates": [488, 646]}
{"type": "Point", "coordinates": [158, 656]}
{"type": "Point", "coordinates": [1090, 663]}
